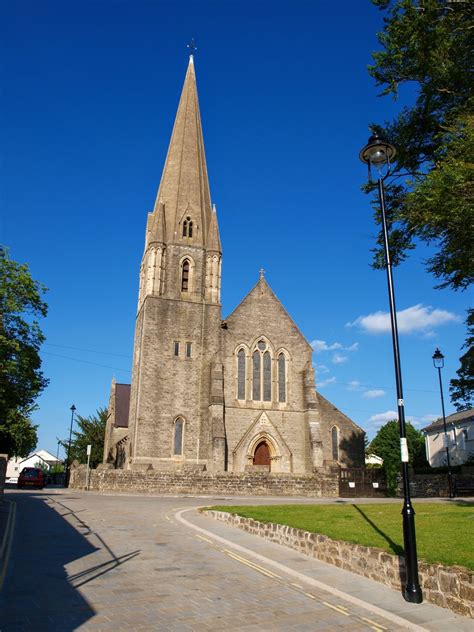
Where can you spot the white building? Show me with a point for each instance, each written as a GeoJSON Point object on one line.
{"type": "Point", "coordinates": [460, 439]}
{"type": "Point", "coordinates": [42, 457]}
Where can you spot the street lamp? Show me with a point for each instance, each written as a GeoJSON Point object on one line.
{"type": "Point", "coordinates": [378, 154]}
{"type": "Point", "coordinates": [438, 362]}
{"type": "Point", "coordinates": [66, 481]}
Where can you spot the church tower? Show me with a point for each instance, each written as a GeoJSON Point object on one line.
{"type": "Point", "coordinates": [176, 404]}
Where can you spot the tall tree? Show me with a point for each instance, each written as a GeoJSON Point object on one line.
{"type": "Point", "coordinates": [428, 45]}
{"type": "Point", "coordinates": [91, 432]}
{"type": "Point", "coordinates": [462, 387]}
{"type": "Point", "coordinates": [386, 444]}
{"type": "Point", "coordinates": [21, 379]}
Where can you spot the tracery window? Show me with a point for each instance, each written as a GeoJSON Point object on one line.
{"type": "Point", "coordinates": [178, 437]}
{"type": "Point", "coordinates": [241, 374]}
{"type": "Point", "coordinates": [281, 378]}
{"type": "Point", "coordinates": [262, 373]}
{"type": "Point", "coordinates": [335, 443]}
{"type": "Point", "coordinates": [188, 227]}
{"type": "Point", "coordinates": [185, 276]}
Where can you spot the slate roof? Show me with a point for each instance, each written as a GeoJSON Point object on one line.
{"type": "Point", "coordinates": [451, 420]}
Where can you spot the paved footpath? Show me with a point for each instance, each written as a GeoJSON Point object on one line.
{"type": "Point", "coordinates": [90, 561]}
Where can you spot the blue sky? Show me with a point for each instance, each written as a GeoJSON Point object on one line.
{"type": "Point", "coordinates": [90, 93]}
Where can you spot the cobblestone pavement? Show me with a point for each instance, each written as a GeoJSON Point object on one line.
{"type": "Point", "coordinates": [128, 562]}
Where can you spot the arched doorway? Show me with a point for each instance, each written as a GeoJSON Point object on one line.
{"type": "Point", "coordinates": [261, 456]}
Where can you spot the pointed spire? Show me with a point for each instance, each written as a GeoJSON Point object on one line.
{"type": "Point", "coordinates": [213, 238]}
{"type": "Point", "coordinates": [184, 187]}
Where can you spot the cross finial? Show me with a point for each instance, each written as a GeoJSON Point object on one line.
{"type": "Point", "coordinates": [262, 273]}
{"type": "Point", "coordinates": [192, 46]}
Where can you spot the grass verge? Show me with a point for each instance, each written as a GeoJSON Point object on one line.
{"type": "Point", "coordinates": [443, 530]}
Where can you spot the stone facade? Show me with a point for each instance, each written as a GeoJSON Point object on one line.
{"type": "Point", "coordinates": [448, 587]}
{"type": "Point", "coordinates": [227, 395]}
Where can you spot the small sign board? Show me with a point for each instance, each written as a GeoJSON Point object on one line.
{"type": "Point", "coordinates": [89, 450]}
{"type": "Point", "coordinates": [351, 484]}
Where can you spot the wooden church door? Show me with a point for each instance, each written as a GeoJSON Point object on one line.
{"type": "Point", "coordinates": [262, 454]}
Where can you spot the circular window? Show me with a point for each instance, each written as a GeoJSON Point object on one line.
{"type": "Point", "coordinates": [261, 345]}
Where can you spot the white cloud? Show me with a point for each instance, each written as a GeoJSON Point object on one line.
{"type": "Point", "coordinates": [415, 318]}
{"type": "Point", "coordinates": [353, 385]}
{"type": "Point", "coordinates": [324, 383]}
{"type": "Point", "coordinates": [381, 418]}
{"type": "Point", "coordinates": [373, 394]}
{"type": "Point", "coordinates": [321, 369]}
{"type": "Point", "coordinates": [337, 358]}
{"type": "Point", "coordinates": [322, 345]}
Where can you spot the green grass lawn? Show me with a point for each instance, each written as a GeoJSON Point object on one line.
{"type": "Point", "coordinates": [444, 532]}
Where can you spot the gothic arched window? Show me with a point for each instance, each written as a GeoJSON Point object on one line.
{"type": "Point", "coordinates": [335, 443]}
{"type": "Point", "coordinates": [241, 374]}
{"type": "Point", "coordinates": [256, 376]}
{"type": "Point", "coordinates": [188, 227]}
{"type": "Point", "coordinates": [281, 378]}
{"type": "Point", "coordinates": [267, 377]}
{"type": "Point", "coordinates": [185, 276]}
{"type": "Point", "coordinates": [178, 437]}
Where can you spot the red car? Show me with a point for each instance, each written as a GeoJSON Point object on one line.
{"type": "Point", "coordinates": [31, 477]}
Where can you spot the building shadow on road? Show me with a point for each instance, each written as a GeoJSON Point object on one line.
{"type": "Point", "coordinates": [38, 593]}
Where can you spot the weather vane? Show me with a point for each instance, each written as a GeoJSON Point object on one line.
{"type": "Point", "coordinates": [192, 46]}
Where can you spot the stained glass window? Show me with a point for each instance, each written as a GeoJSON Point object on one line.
{"type": "Point", "coordinates": [281, 378]}
{"type": "Point", "coordinates": [178, 436]}
{"type": "Point", "coordinates": [335, 443]}
{"type": "Point", "coordinates": [241, 374]}
{"type": "Point", "coordinates": [185, 276]}
{"type": "Point", "coordinates": [256, 376]}
{"type": "Point", "coordinates": [267, 377]}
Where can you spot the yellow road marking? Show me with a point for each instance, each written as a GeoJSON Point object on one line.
{"type": "Point", "coordinates": [379, 625]}
{"type": "Point", "coordinates": [296, 586]}
{"type": "Point", "coordinates": [336, 608]}
{"type": "Point", "coordinates": [256, 567]}
{"type": "Point", "coordinates": [310, 595]}
{"type": "Point", "coordinates": [201, 537]}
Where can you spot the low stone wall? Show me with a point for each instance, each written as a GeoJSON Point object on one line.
{"type": "Point", "coordinates": [449, 587]}
{"type": "Point", "coordinates": [322, 484]}
{"type": "Point", "coordinates": [430, 485]}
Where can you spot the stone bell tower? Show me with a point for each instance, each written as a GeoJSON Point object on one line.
{"type": "Point", "coordinates": [177, 333]}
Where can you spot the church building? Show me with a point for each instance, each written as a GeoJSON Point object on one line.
{"type": "Point", "coordinates": [219, 395]}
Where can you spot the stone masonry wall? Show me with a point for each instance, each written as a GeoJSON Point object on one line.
{"type": "Point", "coordinates": [448, 587]}
{"type": "Point", "coordinates": [189, 481]}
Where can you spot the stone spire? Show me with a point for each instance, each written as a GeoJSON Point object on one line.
{"type": "Point", "coordinates": [213, 238]}
{"type": "Point", "coordinates": [184, 187]}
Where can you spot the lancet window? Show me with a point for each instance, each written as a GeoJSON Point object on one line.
{"type": "Point", "coordinates": [335, 443]}
{"type": "Point", "coordinates": [178, 437]}
{"type": "Point", "coordinates": [185, 276]}
{"type": "Point", "coordinates": [262, 373]}
{"type": "Point", "coordinates": [241, 374]}
{"type": "Point", "coordinates": [281, 378]}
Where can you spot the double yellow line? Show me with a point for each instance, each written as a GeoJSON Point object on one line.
{"type": "Point", "coordinates": [7, 541]}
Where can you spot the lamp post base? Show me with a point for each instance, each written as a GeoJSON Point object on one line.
{"type": "Point", "coordinates": [413, 594]}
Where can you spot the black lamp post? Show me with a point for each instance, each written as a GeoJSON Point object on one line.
{"type": "Point", "coordinates": [438, 362]}
{"type": "Point", "coordinates": [66, 481]}
{"type": "Point", "coordinates": [379, 154]}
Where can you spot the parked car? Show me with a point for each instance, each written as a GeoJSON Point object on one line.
{"type": "Point", "coordinates": [31, 477]}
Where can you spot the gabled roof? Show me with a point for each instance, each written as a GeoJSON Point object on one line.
{"type": "Point", "coordinates": [325, 403]}
{"type": "Point", "coordinates": [262, 291]}
{"type": "Point", "coordinates": [451, 420]}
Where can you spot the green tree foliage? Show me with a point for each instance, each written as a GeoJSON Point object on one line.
{"type": "Point", "coordinates": [428, 46]}
{"type": "Point", "coordinates": [386, 444]}
{"type": "Point", "coordinates": [21, 379]}
{"type": "Point", "coordinates": [91, 432]}
{"type": "Point", "coordinates": [462, 387]}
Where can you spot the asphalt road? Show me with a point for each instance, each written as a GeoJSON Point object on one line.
{"type": "Point", "coordinates": [89, 561]}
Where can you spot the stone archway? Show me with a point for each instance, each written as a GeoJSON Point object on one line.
{"type": "Point", "coordinates": [261, 455]}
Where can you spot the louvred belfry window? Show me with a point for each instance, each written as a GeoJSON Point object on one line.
{"type": "Point", "coordinates": [185, 276]}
